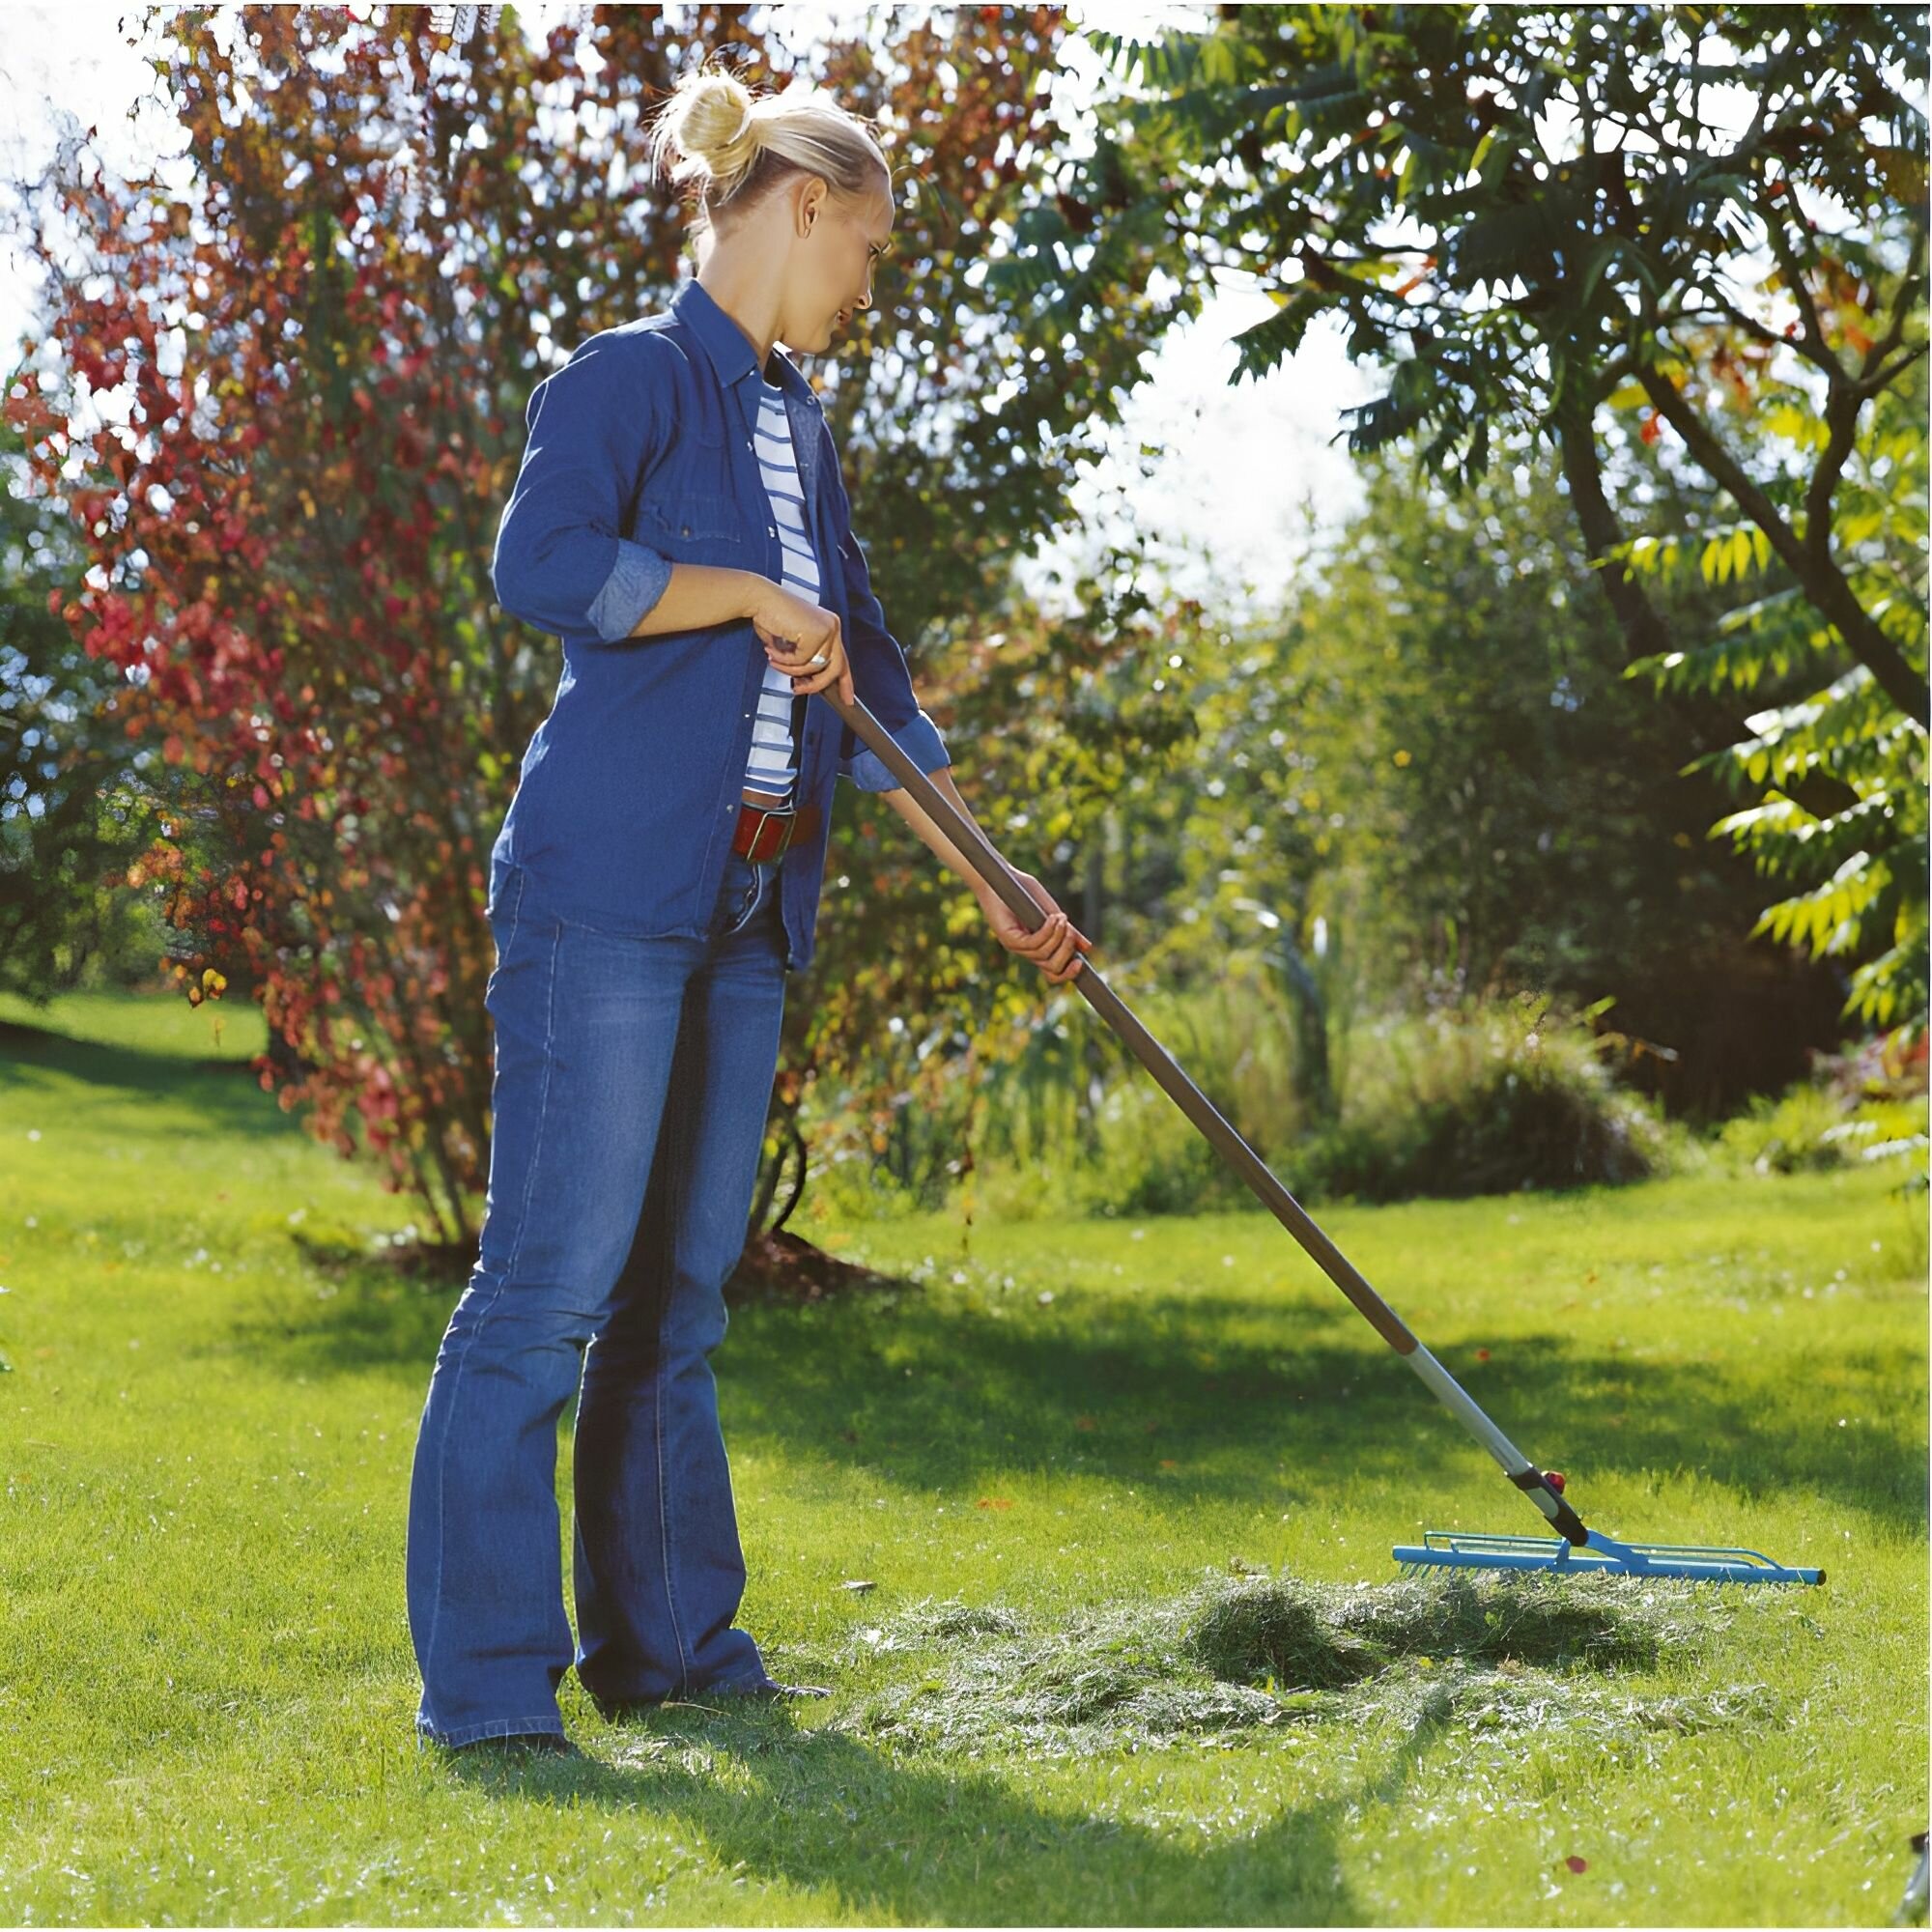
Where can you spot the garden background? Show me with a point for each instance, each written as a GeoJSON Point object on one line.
{"type": "Point", "coordinates": [1531, 864]}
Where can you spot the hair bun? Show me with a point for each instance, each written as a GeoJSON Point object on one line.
{"type": "Point", "coordinates": [715, 120]}
{"type": "Point", "coordinates": [713, 134]}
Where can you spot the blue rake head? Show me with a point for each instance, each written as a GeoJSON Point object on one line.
{"type": "Point", "coordinates": [1602, 1555]}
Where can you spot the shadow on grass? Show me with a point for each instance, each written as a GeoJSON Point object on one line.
{"type": "Point", "coordinates": [225, 1093]}
{"type": "Point", "coordinates": [1323, 1407]}
{"type": "Point", "coordinates": [1295, 1417]}
{"type": "Point", "coordinates": [946, 1843]}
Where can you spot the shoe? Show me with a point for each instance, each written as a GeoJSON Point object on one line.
{"type": "Point", "coordinates": [771, 1687]}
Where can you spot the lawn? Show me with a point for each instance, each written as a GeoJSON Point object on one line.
{"type": "Point", "coordinates": [1112, 1486]}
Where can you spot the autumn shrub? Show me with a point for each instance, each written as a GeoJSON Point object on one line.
{"type": "Point", "coordinates": [274, 401]}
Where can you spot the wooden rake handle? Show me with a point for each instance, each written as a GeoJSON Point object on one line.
{"type": "Point", "coordinates": [1148, 1050]}
{"type": "Point", "coordinates": [1220, 1132]}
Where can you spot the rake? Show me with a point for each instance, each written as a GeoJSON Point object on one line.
{"type": "Point", "coordinates": [1574, 1550]}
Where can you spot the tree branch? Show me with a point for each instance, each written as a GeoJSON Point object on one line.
{"type": "Point", "coordinates": [1910, 285]}
{"type": "Point", "coordinates": [1814, 567]}
{"type": "Point", "coordinates": [1645, 632]}
{"type": "Point", "coordinates": [1883, 379]}
{"type": "Point", "coordinates": [1794, 279]}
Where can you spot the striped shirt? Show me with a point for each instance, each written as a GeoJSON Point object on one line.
{"type": "Point", "coordinates": [773, 762]}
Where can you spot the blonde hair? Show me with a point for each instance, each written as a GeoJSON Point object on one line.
{"type": "Point", "coordinates": [713, 133]}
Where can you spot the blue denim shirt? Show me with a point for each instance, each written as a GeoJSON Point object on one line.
{"type": "Point", "coordinates": [640, 456]}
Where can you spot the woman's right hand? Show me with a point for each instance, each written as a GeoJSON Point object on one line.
{"type": "Point", "coordinates": [794, 631]}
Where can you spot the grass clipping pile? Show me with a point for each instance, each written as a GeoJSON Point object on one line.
{"type": "Point", "coordinates": [1492, 1655]}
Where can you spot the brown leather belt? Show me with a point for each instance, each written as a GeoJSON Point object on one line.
{"type": "Point", "coordinates": [764, 834]}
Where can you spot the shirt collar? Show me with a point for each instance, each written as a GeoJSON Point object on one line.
{"type": "Point", "coordinates": [729, 347]}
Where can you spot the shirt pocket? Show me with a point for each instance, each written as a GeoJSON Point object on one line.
{"type": "Point", "coordinates": [696, 527]}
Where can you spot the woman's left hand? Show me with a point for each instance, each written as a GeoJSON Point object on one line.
{"type": "Point", "coordinates": [1055, 947]}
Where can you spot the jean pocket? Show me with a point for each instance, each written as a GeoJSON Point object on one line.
{"type": "Point", "coordinates": [737, 891]}
{"type": "Point", "coordinates": [747, 891]}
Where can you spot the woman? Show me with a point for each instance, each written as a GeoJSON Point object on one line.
{"type": "Point", "coordinates": [680, 523]}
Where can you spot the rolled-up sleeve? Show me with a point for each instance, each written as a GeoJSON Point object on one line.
{"type": "Point", "coordinates": [594, 428]}
{"type": "Point", "coordinates": [880, 676]}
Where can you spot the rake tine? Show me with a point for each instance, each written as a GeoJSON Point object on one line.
{"type": "Point", "coordinates": [1601, 1555]}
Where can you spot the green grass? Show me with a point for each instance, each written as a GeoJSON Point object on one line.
{"type": "Point", "coordinates": [1107, 1533]}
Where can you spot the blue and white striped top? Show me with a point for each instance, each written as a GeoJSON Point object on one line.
{"type": "Point", "coordinates": [773, 762]}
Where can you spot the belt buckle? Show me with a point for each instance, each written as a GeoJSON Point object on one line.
{"type": "Point", "coordinates": [790, 818]}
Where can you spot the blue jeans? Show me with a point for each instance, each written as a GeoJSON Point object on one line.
{"type": "Point", "coordinates": [629, 1097]}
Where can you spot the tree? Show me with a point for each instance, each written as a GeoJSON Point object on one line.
{"type": "Point", "coordinates": [312, 373]}
{"type": "Point", "coordinates": [1528, 214]}
{"type": "Point", "coordinates": [74, 805]}
{"type": "Point", "coordinates": [1433, 780]}
{"type": "Point", "coordinates": [1859, 874]}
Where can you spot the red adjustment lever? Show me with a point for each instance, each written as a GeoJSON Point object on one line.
{"type": "Point", "coordinates": [1555, 1478]}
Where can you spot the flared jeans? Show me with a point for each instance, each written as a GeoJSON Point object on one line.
{"type": "Point", "coordinates": [629, 1097]}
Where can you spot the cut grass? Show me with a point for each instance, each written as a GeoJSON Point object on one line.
{"type": "Point", "coordinates": [1315, 1639]}
{"type": "Point", "coordinates": [1092, 1527]}
{"type": "Point", "coordinates": [1259, 1651]}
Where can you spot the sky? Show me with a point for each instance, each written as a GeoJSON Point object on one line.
{"type": "Point", "coordinates": [1239, 463]}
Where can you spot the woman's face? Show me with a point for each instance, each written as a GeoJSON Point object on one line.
{"type": "Point", "coordinates": [835, 268]}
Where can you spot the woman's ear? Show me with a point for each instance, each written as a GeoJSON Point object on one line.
{"type": "Point", "coordinates": [810, 200]}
